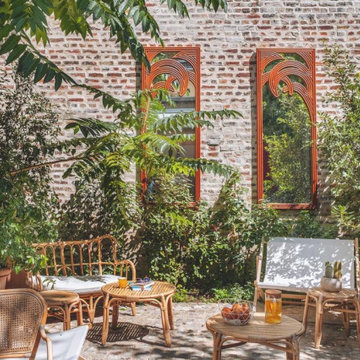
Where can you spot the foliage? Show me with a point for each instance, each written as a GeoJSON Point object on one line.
{"type": "Point", "coordinates": [24, 25]}
{"type": "Point", "coordinates": [104, 201]}
{"type": "Point", "coordinates": [234, 291]}
{"type": "Point", "coordinates": [203, 247]}
{"type": "Point", "coordinates": [27, 123]}
{"type": "Point", "coordinates": [92, 211]}
{"type": "Point", "coordinates": [287, 138]}
{"type": "Point", "coordinates": [339, 139]}
{"type": "Point", "coordinates": [307, 225]}
{"type": "Point", "coordinates": [124, 143]}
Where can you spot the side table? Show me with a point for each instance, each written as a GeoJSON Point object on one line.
{"type": "Point", "coordinates": [64, 302]}
{"type": "Point", "coordinates": [339, 301]}
{"type": "Point", "coordinates": [283, 336]}
{"type": "Point", "coordinates": [160, 295]}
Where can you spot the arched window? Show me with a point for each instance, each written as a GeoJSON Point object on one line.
{"type": "Point", "coordinates": [286, 112]}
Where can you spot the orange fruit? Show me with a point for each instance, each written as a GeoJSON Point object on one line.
{"type": "Point", "coordinates": [226, 313]}
{"type": "Point", "coordinates": [237, 308]}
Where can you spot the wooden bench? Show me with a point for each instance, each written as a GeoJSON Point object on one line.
{"type": "Point", "coordinates": [82, 267]}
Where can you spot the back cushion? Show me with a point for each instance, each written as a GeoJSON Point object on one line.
{"type": "Point", "coordinates": [299, 262]}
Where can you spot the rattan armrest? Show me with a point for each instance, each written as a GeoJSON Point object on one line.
{"type": "Point", "coordinates": [34, 281]}
{"type": "Point", "coordinates": [128, 264]}
{"type": "Point", "coordinates": [48, 343]}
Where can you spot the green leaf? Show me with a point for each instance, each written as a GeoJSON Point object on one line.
{"type": "Point", "coordinates": [19, 49]}
{"type": "Point", "coordinates": [58, 81]}
{"type": "Point", "coordinates": [9, 44]}
{"type": "Point", "coordinates": [41, 70]}
{"type": "Point", "coordinates": [49, 75]}
{"type": "Point", "coordinates": [4, 31]}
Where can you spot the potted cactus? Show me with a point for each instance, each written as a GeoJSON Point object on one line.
{"type": "Point", "coordinates": [332, 280]}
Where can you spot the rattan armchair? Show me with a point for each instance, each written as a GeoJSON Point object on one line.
{"type": "Point", "coordinates": [22, 317]}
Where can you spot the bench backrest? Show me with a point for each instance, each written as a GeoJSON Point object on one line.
{"type": "Point", "coordinates": [301, 262]}
{"type": "Point", "coordinates": [84, 257]}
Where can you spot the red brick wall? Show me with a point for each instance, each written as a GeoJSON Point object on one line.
{"type": "Point", "coordinates": [228, 44]}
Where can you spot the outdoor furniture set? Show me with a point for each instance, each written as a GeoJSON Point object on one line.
{"type": "Point", "coordinates": [76, 276]}
{"type": "Point", "coordinates": [296, 265]}
{"type": "Point", "coordinates": [75, 271]}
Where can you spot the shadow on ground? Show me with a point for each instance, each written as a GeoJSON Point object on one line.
{"type": "Point", "coordinates": [123, 332]}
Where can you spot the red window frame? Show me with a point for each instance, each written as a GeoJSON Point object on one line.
{"type": "Point", "coordinates": [263, 57]}
{"type": "Point", "coordinates": [192, 55]}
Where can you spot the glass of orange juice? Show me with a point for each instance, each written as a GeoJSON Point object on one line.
{"type": "Point", "coordinates": [122, 282]}
{"type": "Point", "coordinates": [273, 306]}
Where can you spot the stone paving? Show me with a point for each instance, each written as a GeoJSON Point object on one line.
{"type": "Point", "coordinates": [141, 337]}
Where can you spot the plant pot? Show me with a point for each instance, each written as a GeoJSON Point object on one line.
{"type": "Point", "coordinates": [4, 276]}
{"type": "Point", "coordinates": [330, 284]}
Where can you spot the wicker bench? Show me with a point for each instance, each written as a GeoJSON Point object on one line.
{"type": "Point", "coordinates": [82, 267]}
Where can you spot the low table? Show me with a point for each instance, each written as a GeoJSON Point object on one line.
{"type": "Point", "coordinates": [160, 295]}
{"type": "Point", "coordinates": [338, 301]}
{"type": "Point", "coordinates": [258, 331]}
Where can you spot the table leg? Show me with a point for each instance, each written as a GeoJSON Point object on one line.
{"type": "Point", "coordinates": [67, 318]}
{"type": "Point", "coordinates": [357, 317]}
{"type": "Point", "coordinates": [115, 314]}
{"type": "Point", "coordinates": [306, 311]}
{"type": "Point", "coordinates": [318, 323]}
{"type": "Point", "coordinates": [346, 321]}
{"type": "Point", "coordinates": [165, 321]}
{"type": "Point", "coordinates": [171, 313]}
{"type": "Point", "coordinates": [105, 327]}
{"type": "Point", "coordinates": [217, 338]}
{"type": "Point", "coordinates": [133, 308]}
{"type": "Point", "coordinates": [292, 345]}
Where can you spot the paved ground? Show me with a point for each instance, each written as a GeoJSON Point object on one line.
{"type": "Point", "coordinates": [141, 337]}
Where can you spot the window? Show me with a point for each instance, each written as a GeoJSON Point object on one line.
{"type": "Point", "coordinates": [177, 69]}
{"type": "Point", "coordinates": [286, 111]}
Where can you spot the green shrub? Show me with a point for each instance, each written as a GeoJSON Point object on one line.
{"type": "Point", "coordinates": [203, 247]}
{"type": "Point", "coordinates": [27, 203]}
{"type": "Point", "coordinates": [339, 140]}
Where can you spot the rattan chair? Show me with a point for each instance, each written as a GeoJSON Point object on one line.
{"type": "Point", "coordinates": [22, 317]}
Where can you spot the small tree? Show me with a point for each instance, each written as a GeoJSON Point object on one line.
{"type": "Point", "coordinates": [339, 139]}
{"type": "Point", "coordinates": [27, 124]}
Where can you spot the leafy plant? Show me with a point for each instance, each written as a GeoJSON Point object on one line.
{"type": "Point", "coordinates": [202, 247]}
{"type": "Point", "coordinates": [307, 224]}
{"type": "Point", "coordinates": [339, 139]}
{"type": "Point", "coordinates": [27, 204]}
{"type": "Point", "coordinates": [24, 25]}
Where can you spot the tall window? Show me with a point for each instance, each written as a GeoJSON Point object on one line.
{"type": "Point", "coordinates": [177, 69]}
{"type": "Point", "coordinates": [286, 110]}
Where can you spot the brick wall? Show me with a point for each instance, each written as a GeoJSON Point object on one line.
{"type": "Point", "coordinates": [228, 44]}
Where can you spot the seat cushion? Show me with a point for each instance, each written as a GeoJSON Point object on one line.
{"type": "Point", "coordinates": [79, 284]}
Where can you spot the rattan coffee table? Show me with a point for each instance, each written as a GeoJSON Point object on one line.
{"type": "Point", "coordinates": [283, 336]}
{"type": "Point", "coordinates": [160, 295]}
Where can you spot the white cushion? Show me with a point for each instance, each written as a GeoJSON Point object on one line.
{"type": "Point", "coordinates": [300, 263]}
{"type": "Point", "coordinates": [79, 284]}
{"type": "Point", "coordinates": [66, 345]}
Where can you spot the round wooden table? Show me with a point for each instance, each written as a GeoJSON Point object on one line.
{"type": "Point", "coordinates": [160, 295]}
{"type": "Point", "coordinates": [283, 336]}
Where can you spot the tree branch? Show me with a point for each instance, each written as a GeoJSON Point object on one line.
{"type": "Point", "coordinates": [48, 163]}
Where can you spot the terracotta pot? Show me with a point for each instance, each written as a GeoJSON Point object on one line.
{"type": "Point", "coordinates": [16, 281]}
{"type": "Point", "coordinates": [330, 284]}
{"type": "Point", "coordinates": [4, 276]}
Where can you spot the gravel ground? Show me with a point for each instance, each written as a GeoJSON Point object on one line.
{"type": "Point", "coordinates": [141, 337]}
